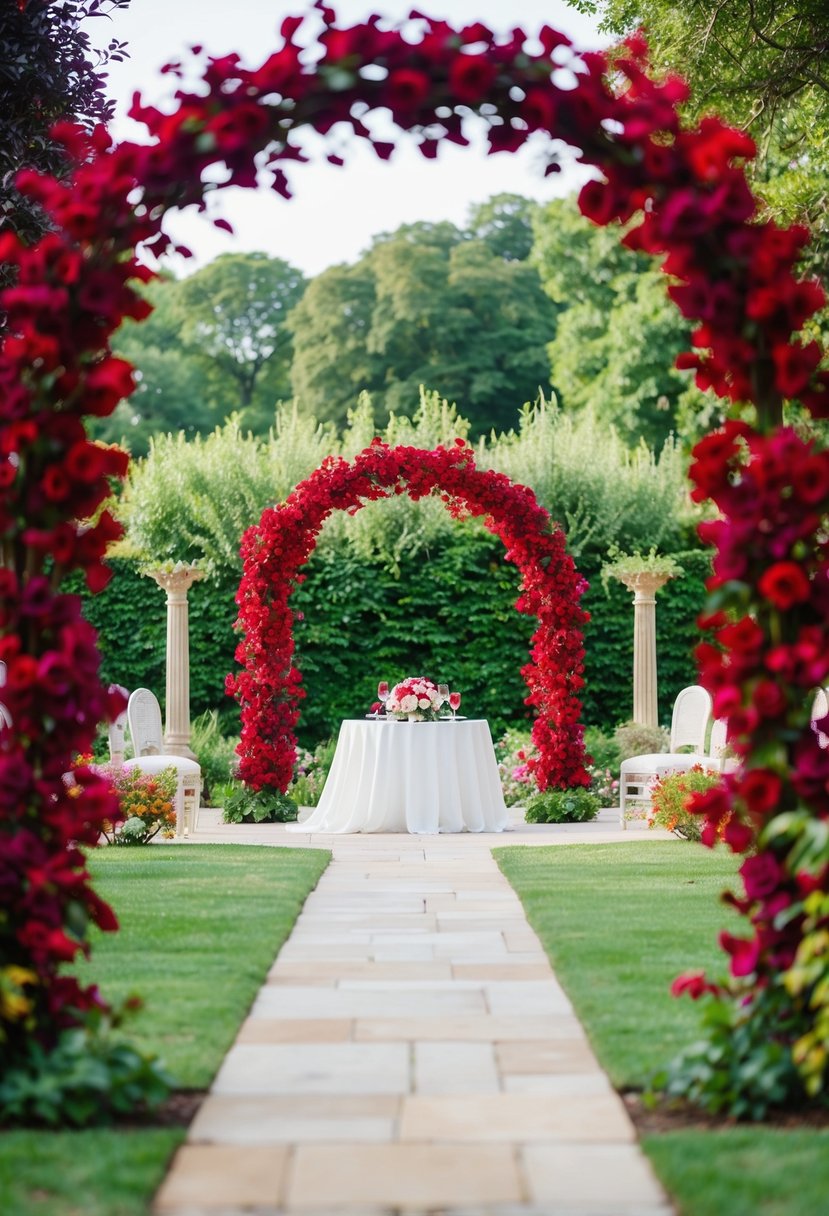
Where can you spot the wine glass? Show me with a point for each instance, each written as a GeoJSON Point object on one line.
{"type": "Point", "coordinates": [443, 693]}
{"type": "Point", "coordinates": [383, 692]}
{"type": "Point", "coordinates": [454, 703]}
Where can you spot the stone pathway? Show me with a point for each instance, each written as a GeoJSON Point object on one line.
{"type": "Point", "coordinates": [412, 1052]}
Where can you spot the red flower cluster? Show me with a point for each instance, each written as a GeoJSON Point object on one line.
{"type": "Point", "coordinates": [732, 273]}
{"type": "Point", "coordinates": [269, 688]}
{"type": "Point", "coordinates": [768, 654]}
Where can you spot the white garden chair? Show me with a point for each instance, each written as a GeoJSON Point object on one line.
{"type": "Point", "coordinates": [689, 724]}
{"type": "Point", "coordinates": [820, 709]}
{"type": "Point", "coordinates": [117, 736]}
{"type": "Point", "coordinates": [5, 716]}
{"type": "Point", "coordinates": [718, 757]}
{"type": "Point", "coordinates": [144, 717]}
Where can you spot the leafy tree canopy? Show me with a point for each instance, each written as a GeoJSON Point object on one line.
{"type": "Point", "coordinates": [763, 65]}
{"type": "Point", "coordinates": [48, 71]}
{"type": "Point", "coordinates": [233, 316]}
{"type": "Point", "coordinates": [505, 224]}
{"type": "Point", "coordinates": [459, 310]}
{"type": "Point", "coordinates": [617, 333]}
{"type": "Point", "coordinates": [217, 344]}
{"type": "Point", "coordinates": [193, 499]}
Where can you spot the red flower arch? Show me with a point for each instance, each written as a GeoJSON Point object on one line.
{"type": "Point", "coordinates": [732, 272]}
{"type": "Point", "coordinates": [269, 689]}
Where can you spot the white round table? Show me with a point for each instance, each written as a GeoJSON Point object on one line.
{"type": "Point", "coordinates": [420, 777]}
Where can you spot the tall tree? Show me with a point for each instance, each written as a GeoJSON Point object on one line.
{"type": "Point", "coordinates": [432, 305]}
{"type": "Point", "coordinates": [505, 224]}
{"type": "Point", "coordinates": [48, 71]}
{"type": "Point", "coordinates": [617, 334]}
{"type": "Point", "coordinates": [216, 344]}
{"type": "Point", "coordinates": [233, 314]}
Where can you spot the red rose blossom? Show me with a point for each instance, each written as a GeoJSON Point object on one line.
{"type": "Point", "coordinates": [784, 584]}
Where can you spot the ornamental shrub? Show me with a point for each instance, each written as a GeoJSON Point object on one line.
{"type": "Point", "coordinates": [602, 747]}
{"type": "Point", "coordinates": [92, 1075]}
{"type": "Point", "coordinates": [311, 773]}
{"type": "Point", "coordinates": [561, 806]}
{"type": "Point", "coordinates": [604, 766]}
{"type": "Point", "coordinates": [192, 498]}
{"type": "Point", "coordinates": [743, 1066]}
{"type": "Point", "coordinates": [635, 739]}
{"type": "Point", "coordinates": [354, 606]}
{"type": "Point", "coordinates": [670, 796]}
{"type": "Point", "coordinates": [245, 805]}
{"type": "Point", "coordinates": [513, 751]}
{"type": "Point", "coordinates": [215, 752]}
{"type": "Point", "coordinates": [601, 492]}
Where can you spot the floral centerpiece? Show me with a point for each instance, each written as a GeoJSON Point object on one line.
{"type": "Point", "coordinates": [415, 698]}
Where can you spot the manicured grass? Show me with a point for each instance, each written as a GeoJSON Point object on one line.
{"type": "Point", "coordinates": [744, 1171]}
{"type": "Point", "coordinates": [619, 922]}
{"type": "Point", "coordinates": [199, 928]}
{"type": "Point", "coordinates": [89, 1173]}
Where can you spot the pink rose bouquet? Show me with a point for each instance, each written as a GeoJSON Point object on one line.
{"type": "Point", "coordinates": [415, 697]}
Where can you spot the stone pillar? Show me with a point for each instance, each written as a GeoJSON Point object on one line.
{"type": "Point", "coordinates": [644, 585]}
{"type": "Point", "coordinates": [177, 583]}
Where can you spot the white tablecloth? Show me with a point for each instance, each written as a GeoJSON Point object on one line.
{"type": "Point", "coordinates": [424, 777]}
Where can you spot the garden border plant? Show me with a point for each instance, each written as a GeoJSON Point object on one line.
{"type": "Point", "coordinates": [685, 197]}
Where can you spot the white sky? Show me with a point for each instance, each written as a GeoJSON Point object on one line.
{"type": "Point", "coordinates": [334, 212]}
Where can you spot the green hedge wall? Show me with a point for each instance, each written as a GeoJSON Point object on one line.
{"type": "Point", "coordinates": [449, 614]}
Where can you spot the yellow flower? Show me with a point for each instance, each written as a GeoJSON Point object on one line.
{"type": "Point", "coordinates": [14, 1004]}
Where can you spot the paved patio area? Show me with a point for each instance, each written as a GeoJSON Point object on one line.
{"type": "Point", "coordinates": [412, 1052]}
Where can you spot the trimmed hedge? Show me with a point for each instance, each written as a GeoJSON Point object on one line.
{"type": "Point", "coordinates": [449, 614]}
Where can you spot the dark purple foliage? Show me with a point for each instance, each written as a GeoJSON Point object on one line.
{"type": "Point", "coordinates": [48, 72]}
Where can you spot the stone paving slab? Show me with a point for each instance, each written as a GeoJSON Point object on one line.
{"type": "Point", "coordinates": [485, 1028]}
{"type": "Point", "coordinates": [403, 1175]}
{"type": "Point", "coordinates": [411, 1054]}
{"type": "Point", "coordinates": [231, 1119]}
{"type": "Point", "coordinates": [314, 1068]}
{"type": "Point", "coordinates": [515, 1118]}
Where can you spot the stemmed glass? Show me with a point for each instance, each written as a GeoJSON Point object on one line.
{"type": "Point", "coordinates": [454, 703]}
{"type": "Point", "coordinates": [383, 692]}
{"type": "Point", "coordinates": [443, 693]}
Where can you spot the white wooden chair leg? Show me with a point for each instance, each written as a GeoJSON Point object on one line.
{"type": "Point", "coordinates": [179, 805]}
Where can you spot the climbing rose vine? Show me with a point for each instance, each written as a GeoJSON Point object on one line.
{"type": "Point", "coordinates": [684, 197]}
{"type": "Point", "coordinates": [269, 689]}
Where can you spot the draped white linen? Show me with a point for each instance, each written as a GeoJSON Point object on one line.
{"type": "Point", "coordinates": [419, 777]}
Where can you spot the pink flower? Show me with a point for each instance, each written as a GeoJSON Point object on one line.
{"type": "Point", "coordinates": [745, 955]}
{"type": "Point", "coordinates": [693, 983]}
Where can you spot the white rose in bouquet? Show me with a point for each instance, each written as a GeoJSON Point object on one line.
{"type": "Point", "coordinates": [414, 697]}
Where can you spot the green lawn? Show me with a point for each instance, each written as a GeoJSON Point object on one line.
{"type": "Point", "coordinates": [619, 922]}
{"type": "Point", "coordinates": [199, 928]}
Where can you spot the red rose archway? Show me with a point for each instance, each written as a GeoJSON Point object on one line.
{"type": "Point", "coordinates": [269, 688]}
{"type": "Point", "coordinates": [732, 273]}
